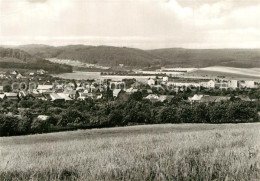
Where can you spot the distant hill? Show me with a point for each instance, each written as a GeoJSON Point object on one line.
{"type": "Point", "coordinates": [103, 55]}
{"type": "Point", "coordinates": [241, 58]}
{"type": "Point", "coordinates": [16, 58]}
{"type": "Point", "coordinates": [9, 60]}
{"type": "Point", "coordinates": [43, 51]}
{"type": "Point", "coordinates": [174, 57]}
{"type": "Point", "coordinates": [15, 53]}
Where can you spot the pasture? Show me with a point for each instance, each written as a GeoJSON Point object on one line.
{"type": "Point", "coordinates": [149, 152]}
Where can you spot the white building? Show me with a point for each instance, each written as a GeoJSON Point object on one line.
{"type": "Point", "coordinates": [56, 97]}
{"type": "Point", "coordinates": [116, 92]}
{"type": "Point", "coordinates": [152, 96]}
{"type": "Point", "coordinates": [249, 84]}
{"type": "Point", "coordinates": [117, 85]}
{"type": "Point", "coordinates": [161, 98]}
{"type": "Point", "coordinates": [211, 84]}
{"type": "Point", "coordinates": [151, 81]}
{"type": "Point", "coordinates": [99, 96]}
{"type": "Point", "coordinates": [183, 84]}
{"type": "Point", "coordinates": [2, 96]}
{"type": "Point", "coordinates": [14, 72]}
{"type": "Point", "coordinates": [165, 79]}
{"type": "Point", "coordinates": [195, 98]}
{"type": "Point", "coordinates": [41, 72]}
{"type": "Point", "coordinates": [43, 117]}
{"type": "Point", "coordinates": [64, 96]}
{"type": "Point", "coordinates": [44, 88]}
{"type": "Point", "coordinates": [222, 85]}
{"type": "Point", "coordinates": [233, 84]}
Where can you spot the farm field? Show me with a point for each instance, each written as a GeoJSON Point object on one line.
{"type": "Point", "coordinates": [243, 71]}
{"type": "Point", "coordinates": [149, 152]}
{"type": "Point", "coordinates": [228, 72]}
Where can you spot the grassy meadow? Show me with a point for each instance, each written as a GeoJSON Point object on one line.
{"type": "Point", "coordinates": [150, 152]}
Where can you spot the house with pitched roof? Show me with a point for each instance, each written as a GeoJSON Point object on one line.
{"type": "Point", "coordinates": [11, 96]}
{"type": "Point", "coordinates": [210, 99]}
{"type": "Point", "coordinates": [2, 96]}
{"type": "Point", "coordinates": [73, 94]}
{"type": "Point", "coordinates": [44, 88]}
{"type": "Point", "coordinates": [195, 98]}
{"type": "Point", "coordinates": [56, 98]}
{"type": "Point", "coordinates": [152, 97]}
{"type": "Point", "coordinates": [116, 92]}
{"type": "Point", "coordinates": [244, 98]}
{"type": "Point", "coordinates": [64, 96]}
{"type": "Point", "coordinates": [84, 95]}
{"type": "Point", "coordinates": [161, 98]}
{"type": "Point", "coordinates": [41, 72]}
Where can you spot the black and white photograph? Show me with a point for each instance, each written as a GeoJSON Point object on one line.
{"type": "Point", "coordinates": [132, 90]}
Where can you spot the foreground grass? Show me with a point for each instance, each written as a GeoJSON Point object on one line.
{"type": "Point", "coordinates": [153, 152]}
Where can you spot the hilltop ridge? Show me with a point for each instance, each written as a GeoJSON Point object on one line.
{"type": "Point", "coordinates": [174, 57]}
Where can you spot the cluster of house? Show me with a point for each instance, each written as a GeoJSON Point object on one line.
{"type": "Point", "coordinates": [15, 74]}
{"type": "Point", "coordinates": [221, 84]}
{"type": "Point", "coordinates": [94, 90]}
{"type": "Point", "coordinates": [209, 99]}
{"type": "Point", "coordinates": [67, 92]}
{"type": "Point", "coordinates": [78, 91]}
{"type": "Point", "coordinates": [52, 93]}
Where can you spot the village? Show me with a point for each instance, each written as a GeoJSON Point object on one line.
{"type": "Point", "coordinates": [40, 85]}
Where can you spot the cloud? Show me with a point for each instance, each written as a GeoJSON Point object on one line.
{"type": "Point", "coordinates": [138, 23]}
{"type": "Point", "coordinates": [37, 1]}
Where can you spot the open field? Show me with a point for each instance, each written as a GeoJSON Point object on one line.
{"type": "Point", "coordinates": [208, 72]}
{"type": "Point", "coordinates": [255, 72]}
{"type": "Point", "coordinates": [80, 75]}
{"type": "Point", "coordinates": [151, 152]}
{"type": "Point", "coordinates": [228, 72]}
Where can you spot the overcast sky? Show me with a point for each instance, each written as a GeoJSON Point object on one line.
{"type": "Point", "coordinates": [145, 24]}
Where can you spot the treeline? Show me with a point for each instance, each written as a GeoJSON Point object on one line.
{"type": "Point", "coordinates": [15, 53]}
{"type": "Point", "coordinates": [102, 55]}
{"type": "Point", "coordinates": [39, 64]}
{"type": "Point", "coordinates": [128, 110]}
{"type": "Point", "coordinates": [27, 61]}
{"type": "Point", "coordinates": [177, 57]}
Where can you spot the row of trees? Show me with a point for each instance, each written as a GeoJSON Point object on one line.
{"type": "Point", "coordinates": [127, 110]}
{"type": "Point", "coordinates": [26, 124]}
{"type": "Point", "coordinates": [38, 64]}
